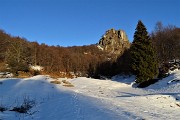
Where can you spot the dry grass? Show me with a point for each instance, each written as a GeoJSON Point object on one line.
{"type": "Point", "coordinates": [52, 75]}
{"type": "Point", "coordinates": [66, 82]}
{"type": "Point", "coordinates": [56, 75]}
{"type": "Point", "coordinates": [22, 74]}
{"type": "Point", "coordinates": [3, 67]}
{"type": "Point", "coordinates": [56, 82]}
{"type": "Point", "coordinates": [68, 85]}
{"type": "Point", "coordinates": [178, 105]}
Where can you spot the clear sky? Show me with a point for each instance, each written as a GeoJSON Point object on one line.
{"type": "Point", "coordinates": [82, 22]}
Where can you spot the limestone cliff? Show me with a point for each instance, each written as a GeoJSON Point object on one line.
{"type": "Point", "coordinates": [114, 41]}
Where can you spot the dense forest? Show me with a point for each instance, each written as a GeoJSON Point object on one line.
{"type": "Point", "coordinates": [18, 53]}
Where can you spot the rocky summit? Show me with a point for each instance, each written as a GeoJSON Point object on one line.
{"type": "Point", "coordinates": [114, 41]}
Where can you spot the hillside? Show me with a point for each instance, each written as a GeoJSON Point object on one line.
{"type": "Point", "coordinates": [110, 56]}
{"type": "Point", "coordinates": [91, 99]}
{"type": "Point", "coordinates": [18, 53]}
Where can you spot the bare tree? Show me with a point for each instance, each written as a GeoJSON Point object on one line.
{"type": "Point", "coordinates": [166, 41]}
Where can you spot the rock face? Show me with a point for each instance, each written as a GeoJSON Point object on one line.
{"type": "Point", "coordinates": [114, 41]}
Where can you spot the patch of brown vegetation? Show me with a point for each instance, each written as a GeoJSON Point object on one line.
{"type": "Point", "coordinates": [178, 105]}
{"type": "Point", "coordinates": [22, 74]}
{"type": "Point", "coordinates": [68, 85]}
{"type": "Point", "coordinates": [56, 82]}
{"type": "Point", "coordinates": [56, 75]}
{"type": "Point", "coordinates": [3, 67]}
{"type": "Point", "coordinates": [66, 82]}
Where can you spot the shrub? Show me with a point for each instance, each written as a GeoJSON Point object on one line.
{"type": "Point", "coordinates": [35, 72]}
{"type": "Point", "coordinates": [2, 108]}
{"type": "Point", "coordinates": [25, 106]}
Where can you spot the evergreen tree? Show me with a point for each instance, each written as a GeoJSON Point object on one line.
{"type": "Point", "coordinates": [143, 56]}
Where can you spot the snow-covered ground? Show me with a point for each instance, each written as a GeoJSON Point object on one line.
{"type": "Point", "coordinates": [91, 99]}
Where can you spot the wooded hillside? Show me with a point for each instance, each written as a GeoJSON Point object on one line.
{"type": "Point", "coordinates": [16, 54]}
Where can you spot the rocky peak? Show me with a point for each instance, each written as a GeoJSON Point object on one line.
{"type": "Point", "coordinates": [114, 41]}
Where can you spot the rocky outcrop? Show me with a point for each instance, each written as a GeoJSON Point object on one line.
{"type": "Point", "coordinates": [114, 41]}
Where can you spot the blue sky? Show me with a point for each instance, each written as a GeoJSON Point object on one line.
{"type": "Point", "coordinates": [82, 22]}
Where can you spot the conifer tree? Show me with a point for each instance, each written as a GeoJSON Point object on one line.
{"type": "Point", "coordinates": [143, 55]}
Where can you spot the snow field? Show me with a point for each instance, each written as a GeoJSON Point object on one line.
{"type": "Point", "coordinates": [92, 99]}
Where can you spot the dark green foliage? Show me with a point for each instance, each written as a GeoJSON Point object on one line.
{"type": "Point", "coordinates": [163, 70]}
{"type": "Point", "coordinates": [16, 66]}
{"type": "Point", "coordinates": [109, 68]}
{"type": "Point", "coordinates": [102, 69]}
{"type": "Point", "coordinates": [143, 56]}
{"type": "Point", "coordinates": [91, 70]}
{"type": "Point", "coordinates": [123, 63]}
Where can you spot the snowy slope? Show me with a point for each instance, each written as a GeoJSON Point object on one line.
{"type": "Point", "coordinates": [52, 103]}
{"type": "Point", "coordinates": [92, 99]}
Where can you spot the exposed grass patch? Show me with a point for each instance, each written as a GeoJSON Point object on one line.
{"type": "Point", "coordinates": [22, 74]}
{"type": "Point", "coordinates": [68, 85]}
{"type": "Point", "coordinates": [66, 82]}
{"type": "Point", "coordinates": [56, 82]}
{"type": "Point", "coordinates": [178, 105]}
